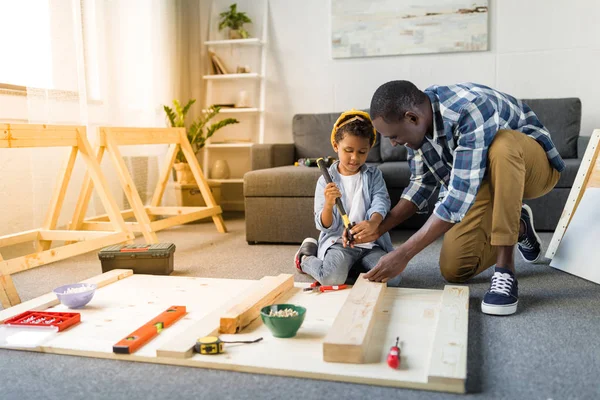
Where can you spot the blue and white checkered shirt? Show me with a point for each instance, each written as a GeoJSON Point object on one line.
{"type": "Point", "coordinates": [466, 118]}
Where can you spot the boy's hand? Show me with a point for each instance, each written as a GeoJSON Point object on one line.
{"type": "Point", "coordinates": [331, 193]}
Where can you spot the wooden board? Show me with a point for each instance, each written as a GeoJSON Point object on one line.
{"type": "Point", "coordinates": [579, 252]}
{"type": "Point", "coordinates": [588, 176]}
{"type": "Point", "coordinates": [348, 338]}
{"type": "Point", "coordinates": [266, 292]}
{"type": "Point", "coordinates": [416, 315]}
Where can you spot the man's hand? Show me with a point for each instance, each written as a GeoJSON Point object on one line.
{"type": "Point", "coordinates": [331, 193]}
{"type": "Point", "coordinates": [389, 266]}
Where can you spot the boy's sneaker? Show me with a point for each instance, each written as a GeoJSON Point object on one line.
{"type": "Point", "coordinates": [530, 244]}
{"type": "Point", "coordinates": [309, 247]}
{"type": "Point", "coordinates": [503, 296]}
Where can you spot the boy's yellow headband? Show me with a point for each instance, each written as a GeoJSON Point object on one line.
{"type": "Point", "coordinates": [358, 116]}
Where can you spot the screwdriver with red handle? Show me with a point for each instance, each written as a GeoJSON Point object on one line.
{"type": "Point", "coordinates": [393, 358]}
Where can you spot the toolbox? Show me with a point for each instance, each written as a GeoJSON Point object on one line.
{"type": "Point", "coordinates": [149, 259]}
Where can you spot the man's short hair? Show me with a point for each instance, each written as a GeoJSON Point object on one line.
{"type": "Point", "coordinates": [393, 99]}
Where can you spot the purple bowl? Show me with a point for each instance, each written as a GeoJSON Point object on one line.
{"type": "Point", "coordinates": [75, 300]}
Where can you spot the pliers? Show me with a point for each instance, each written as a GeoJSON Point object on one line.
{"type": "Point", "coordinates": [316, 287]}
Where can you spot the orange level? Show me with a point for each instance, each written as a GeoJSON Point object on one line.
{"type": "Point", "coordinates": [143, 335]}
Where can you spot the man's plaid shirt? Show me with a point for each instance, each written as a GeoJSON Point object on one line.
{"type": "Point", "coordinates": [466, 118]}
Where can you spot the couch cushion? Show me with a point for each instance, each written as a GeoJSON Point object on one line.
{"type": "Point", "coordinates": [312, 134]}
{"type": "Point", "coordinates": [391, 153]}
{"type": "Point", "coordinates": [562, 117]}
{"type": "Point", "coordinates": [286, 181]}
{"type": "Point", "coordinates": [567, 177]}
{"type": "Point", "coordinates": [395, 173]}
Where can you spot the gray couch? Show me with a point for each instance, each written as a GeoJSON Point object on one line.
{"type": "Point", "coordinates": [279, 196]}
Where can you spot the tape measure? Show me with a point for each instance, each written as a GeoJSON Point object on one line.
{"type": "Point", "coordinates": [214, 345]}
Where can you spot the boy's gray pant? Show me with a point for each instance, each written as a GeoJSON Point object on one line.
{"type": "Point", "coordinates": [334, 269]}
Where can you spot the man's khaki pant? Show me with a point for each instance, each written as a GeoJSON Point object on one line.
{"type": "Point", "coordinates": [517, 169]}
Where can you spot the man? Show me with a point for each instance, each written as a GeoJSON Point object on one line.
{"type": "Point", "coordinates": [486, 151]}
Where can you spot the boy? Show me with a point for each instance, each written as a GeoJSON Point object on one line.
{"type": "Point", "coordinates": [365, 199]}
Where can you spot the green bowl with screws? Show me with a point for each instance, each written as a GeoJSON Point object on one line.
{"type": "Point", "coordinates": [283, 320]}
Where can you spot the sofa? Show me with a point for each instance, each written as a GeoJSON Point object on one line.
{"type": "Point", "coordinates": [279, 196]}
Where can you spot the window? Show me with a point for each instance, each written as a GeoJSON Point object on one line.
{"type": "Point", "coordinates": [25, 43]}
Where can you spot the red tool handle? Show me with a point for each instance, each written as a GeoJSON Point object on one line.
{"type": "Point", "coordinates": [332, 287]}
{"type": "Point", "coordinates": [144, 334]}
{"type": "Point", "coordinates": [393, 358]}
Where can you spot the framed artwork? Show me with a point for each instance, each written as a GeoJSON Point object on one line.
{"type": "Point", "coordinates": [371, 28]}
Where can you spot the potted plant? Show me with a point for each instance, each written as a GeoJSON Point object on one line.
{"type": "Point", "coordinates": [235, 21]}
{"type": "Point", "coordinates": [197, 133]}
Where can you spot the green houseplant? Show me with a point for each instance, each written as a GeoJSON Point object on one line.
{"type": "Point", "coordinates": [197, 133]}
{"type": "Point", "coordinates": [235, 21]}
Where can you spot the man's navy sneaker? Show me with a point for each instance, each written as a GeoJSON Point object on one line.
{"type": "Point", "coordinates": [530, 244]}
{"type": "Point", "coordinates": [309, 247]}
{"type": "Point", "coordinates": [503, 296]}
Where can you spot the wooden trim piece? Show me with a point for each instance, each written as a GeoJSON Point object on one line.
{"type": "Point", "coordinates": [108, 227]}
{"type": "Point", "coordinates": [21, 237]}
{"type": "Point", "coordinates": [182, 346]}
{"type": "Point", "coordinates": [242, 314]}
{"type": "Point", "coordinates": [348, 338]}
{"type": "Point", "coordinates": [33, 260]}
{"type": "Point", "coordinates": [590, 165]}
{"type": "Point", "coordinates": [49, 300]}
{"type": "Point", "coordinates": [448, 360]}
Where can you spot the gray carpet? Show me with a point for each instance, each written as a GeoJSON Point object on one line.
{"type": "Point", "coordinates": [548, 350]}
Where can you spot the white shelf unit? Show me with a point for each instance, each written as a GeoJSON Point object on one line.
{"type": "Point", "coordinates": [252, 119]}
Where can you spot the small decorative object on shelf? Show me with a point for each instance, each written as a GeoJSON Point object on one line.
{"type": "Point", "coordinates": [235, 21]}
{"type": "Point", "coordinates": [242, 101]}
{"type": "Point", "coordinates": [243, 69]}
{"type": "Point", "coordinates": [220, 170]}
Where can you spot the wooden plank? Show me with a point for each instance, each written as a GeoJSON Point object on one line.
{"type": "Point", "coordinates": [590, 165]}
{"type": "Point", "coordinates": [448, 366]}
{"type": "Point", "coordinates": [21, 237]}
{"type": "Point", "coordinates": [49, 299]}
{"type": "Point", "coordinates": [209, 200]}
{"type": "Point", "coordinates": [182, 345]}
{"type": "Point", "coordinates": [66, 235]}
{"type": "Point", "coordinates": [137, 136]}
{"type": "Point", "coordinates": [173, 210]}
{"type": "Point", "coordinates": [8, 292]}
{"type": "Point", "coordinates": [101, 185]}
{"type": "Point", "coordinates": [105, 218]}
{"type": "Point", "coordinates": [120, 308]}
{"type": "Point", "coordinates": [164, 175]}
{"type": "Point", "coordinates": [33, 260]}
{"type": "Point", "coordinates": [85, 194]}
{"type": "Point", "coordinates": [242, 314]}
{"type": "Point", "coordinates": [107, 226]}
{"type": "Point", "coordinates": [185, 218]}
{"type": "Point", "coordinates": [130, 190]}
{"type": "Point", "coordinates": [348, 339]}
{"type": "Point", "coordinates": [42, 129]}
{"type": "Point", "coordinates": [57, 200]}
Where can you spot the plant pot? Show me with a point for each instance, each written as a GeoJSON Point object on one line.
{"type": "Point", "coordinates": [235, 34]}
{"type": "Point", "coordinates": [183, 173]}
